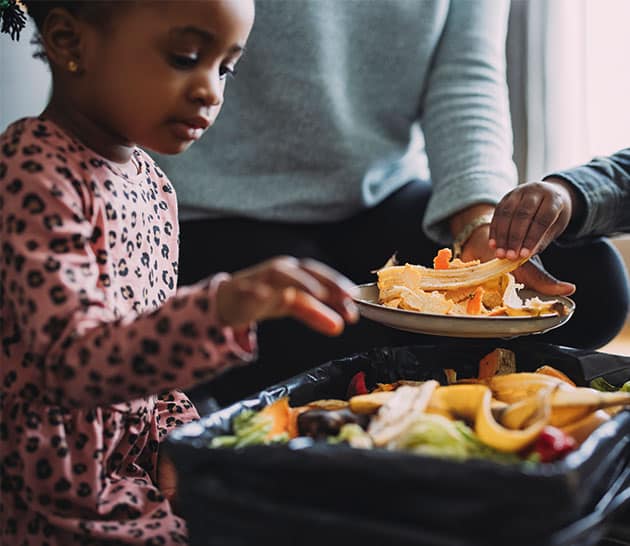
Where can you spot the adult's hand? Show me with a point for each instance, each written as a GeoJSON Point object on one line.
{"type": "Point", "coordinates": [530, 217]}
{"type": "Point", "coordinates": [532, 274]}
{"type": "Point", "coordinates": [306, 290]}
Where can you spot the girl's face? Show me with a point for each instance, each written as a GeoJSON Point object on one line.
{"type": "Point", "coordinates": [157, 77]}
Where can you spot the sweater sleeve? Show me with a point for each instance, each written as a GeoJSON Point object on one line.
{"type": "Point", "coordinates": [64, 318]}
{"type": "Point", "coordinates": [604, 187]}
{"type": "Point", "coordinates": [465, 114]}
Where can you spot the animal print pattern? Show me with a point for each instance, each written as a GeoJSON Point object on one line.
{"type": "Point", "coordinates": [91, 332]}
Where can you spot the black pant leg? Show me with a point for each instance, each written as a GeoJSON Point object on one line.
{"type": "Point", "coordinates": [286, 347]}
{"type": "Point", "coordinates": [210, 246]}
{"type": "Point", "coordinates": [364, 242]}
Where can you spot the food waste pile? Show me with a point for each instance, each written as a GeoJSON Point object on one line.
{"type": "Point", "coordinates": [500, 415]}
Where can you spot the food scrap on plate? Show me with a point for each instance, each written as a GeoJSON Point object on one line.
{"type": "Point", "coordinates": [453, 287]}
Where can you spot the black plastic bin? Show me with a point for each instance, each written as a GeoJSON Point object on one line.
{"type": "Point", "coordinates": [315, 494]}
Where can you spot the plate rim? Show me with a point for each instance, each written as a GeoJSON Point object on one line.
{"type": "Point", "coordinates": [566, 300]}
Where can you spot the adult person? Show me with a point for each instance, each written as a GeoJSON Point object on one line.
{"type": "Point", "coordinates": [330, 159]}
{"type": "Point", "coordinates": [589, 200]}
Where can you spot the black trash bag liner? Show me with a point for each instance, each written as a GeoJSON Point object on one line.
{"type": "Point", "coordinates": [312, 493]}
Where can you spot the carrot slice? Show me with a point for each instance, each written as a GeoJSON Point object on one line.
{"type": "Point", "coordinates": [553, 372]}
{"type": "Point", "coordinates": [443, 258]}
{"type": "Point", "coordinates": [498, 362]}
{"type": "Point", "coordinates": [279, 411]}
{"type": "Point", "coordinates": [474, 305]}
{"type": "Point", "coordinates": [292, 426]}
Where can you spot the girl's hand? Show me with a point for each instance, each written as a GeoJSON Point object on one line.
{"type": "Point", "coordinates": [167, 477]}
{"type": "Point", "coordinates": [530, 217]}
{"type": "Point", "coordinates": [304, 289]}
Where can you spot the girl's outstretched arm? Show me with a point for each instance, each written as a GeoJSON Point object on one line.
{"type": "Point", "coordinates": [90, 349]}
{"type": "Point", "coordinates": [306, 290]}
{"type": "Point", "coordinates": [61, 313]}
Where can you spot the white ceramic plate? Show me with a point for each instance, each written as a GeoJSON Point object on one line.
{"type": "Point", "coordinates": [459, 326]}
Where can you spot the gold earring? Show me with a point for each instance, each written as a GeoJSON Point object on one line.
{"type": "Point", "coordinates": [73, 66]}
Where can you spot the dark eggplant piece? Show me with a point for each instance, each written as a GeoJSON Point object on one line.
{"type": "Point", "coordinates": [319, 423]}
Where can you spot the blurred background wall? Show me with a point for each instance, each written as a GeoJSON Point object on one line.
{"type": "Point", "coordinates": [24, 81]}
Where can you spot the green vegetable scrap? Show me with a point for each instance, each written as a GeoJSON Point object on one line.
{"type": "Point", "coordinates": [430, 434]}
{"type": "Point", "coordinates": [600, 384]}
{"type": "Point", "coordinates": [250, 428]}
{"type": "Point", "coordinates": [353, 435]}
{"type": "Point", "coordinates": [438, 436]}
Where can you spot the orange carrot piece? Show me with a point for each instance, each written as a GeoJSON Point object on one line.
{"type": "Point", "coordinates": [498, 362]}
{"type": "Point", "coordinates": [279, 411]}
{"type": "Point", "coordinates": [294, 413]}
{"type": "Point", "coordinates": [443, 258]}
{"type": "Point", "coordinates": [489, 365]}
{"type": "Point", "coordinates": [498, 312]}
{"type": "Point", "coordinates": [474, 305]}
{"type": "Point", "coordinates": [553, 372]}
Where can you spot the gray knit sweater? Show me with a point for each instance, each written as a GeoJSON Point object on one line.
{"type": "Point", "coordinates": [317, 125]}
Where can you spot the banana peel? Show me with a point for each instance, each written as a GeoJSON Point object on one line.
{"type": "Point", "coordinates": [473, 403]}
{"type": "Point", "coordinates": [369, 403]}
{"type": "Point", "coordinates": [571, 405]}
{"type": "Point", "coordinates": [417, 277]}
{"type": "Point", "coordinates": [501, 438]}
{"type": "Point", "coordinates": [581, 430]}
{"type": "Point", "coordinates": [507, 412]}
{"type": "Point", "coordinates": [523, 413]}
{"type": "Point", "coordinates": [511, 388]}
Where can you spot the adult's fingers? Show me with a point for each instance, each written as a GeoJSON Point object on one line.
{"type": "Point", "coordinates": [544, 225]}
{"type": "Point", "coordinates": [501, 220]}
{"type": "Point", "coordinates": [521, 222]}
{"type": "Point", "coordinates": [533, 275]}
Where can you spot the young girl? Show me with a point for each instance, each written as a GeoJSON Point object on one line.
{"type": "Point", "coordinates": [93, 337]}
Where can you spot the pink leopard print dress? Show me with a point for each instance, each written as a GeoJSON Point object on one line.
{"type": "Point", "coordinates": [91, 330]}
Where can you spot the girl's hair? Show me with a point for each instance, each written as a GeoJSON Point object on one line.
{"type": "Point", "coordinates": [13, 17]}
{"type": "Point", "coordinates": [91, 10]}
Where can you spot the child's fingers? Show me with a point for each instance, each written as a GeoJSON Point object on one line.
{"type": "Point", "coordinates": [167, 477]}
{"type": "Point", "coordinates": [280, 286]}
{"type": "Point", "coordinates": [287, 271]}
{"type": "Point", "coordinates": [333, 280]}
{"type": "Point", "coordinates": [313, 313]}
{"type": "Point", "coordinates": [340, 289]}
